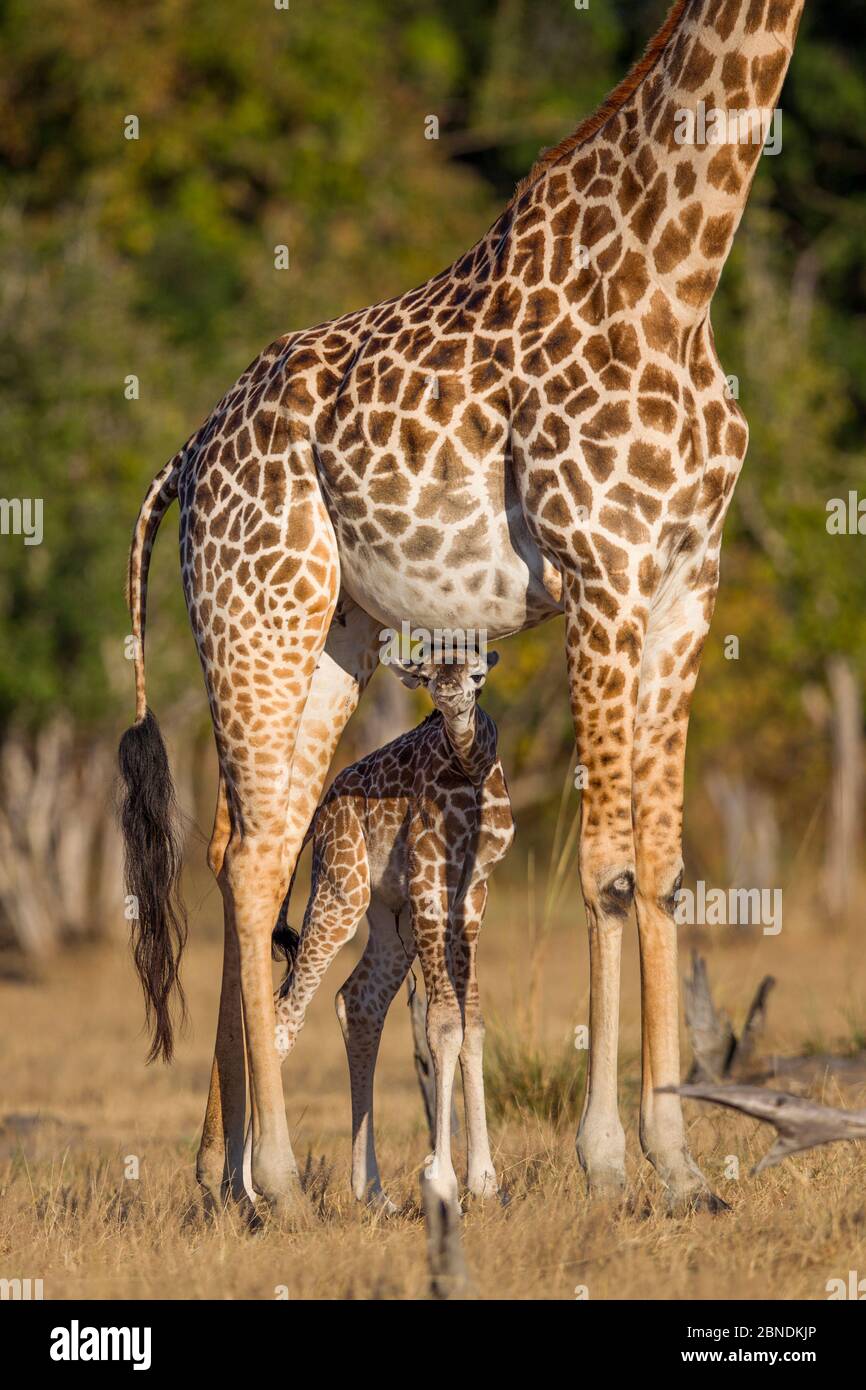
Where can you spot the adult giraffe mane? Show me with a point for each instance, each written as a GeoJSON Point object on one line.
{"type": "Point", "coordinates": [611, 104]}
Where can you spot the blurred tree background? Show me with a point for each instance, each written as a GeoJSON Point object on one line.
{"type": "Point", "coordinates": [153, 258]}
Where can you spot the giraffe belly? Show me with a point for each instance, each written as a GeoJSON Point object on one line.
{"type": "Point", "coordinates": [511, 589]}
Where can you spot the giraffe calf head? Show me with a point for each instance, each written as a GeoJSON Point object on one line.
{"type": "Point", "coordinates": [454, 686]}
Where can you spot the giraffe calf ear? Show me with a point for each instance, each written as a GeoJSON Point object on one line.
{"type": "Point", "coordinates": [492, 660]}
{"type": "Point", "coordinates": [408, 672]}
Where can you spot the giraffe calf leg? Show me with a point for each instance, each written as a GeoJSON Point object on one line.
{"type": "Point", "coordinates": [481, 1179]}
{"type": "Point", "coordinates": [330, 922]}
{"type": "Point", "coordinates": [362, 1005]}
{"type": "Point", "coordinates": [445, 1039]}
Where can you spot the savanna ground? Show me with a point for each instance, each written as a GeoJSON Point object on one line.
{"type": "Point", "coordinates": [78, 1101]}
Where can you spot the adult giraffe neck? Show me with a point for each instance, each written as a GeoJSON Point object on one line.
{"type": "Point", "coordinates": [663, 169]}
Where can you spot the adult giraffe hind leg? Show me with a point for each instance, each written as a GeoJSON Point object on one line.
{"type": "Point", "coordinates": [340, 677]}
{"type": "Point", "coordinates": [260, 609]}
{"type": "Point", "coordinates": [220, 1161]}
{"type": "Point", "coordinates": [671, 661]}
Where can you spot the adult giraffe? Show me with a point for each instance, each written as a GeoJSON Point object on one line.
{"type": "Point", "coordinates": [542, 427]}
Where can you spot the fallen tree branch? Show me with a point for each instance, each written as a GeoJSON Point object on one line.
{"type": "Point", "coordinates": [800, 1124]}
{"type": "Point", "coordinates": [718, 1052]}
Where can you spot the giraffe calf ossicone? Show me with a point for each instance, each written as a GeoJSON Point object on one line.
{"type": "Point", "coordinates": [409, 835]}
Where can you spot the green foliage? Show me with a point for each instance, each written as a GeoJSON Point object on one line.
{"type": "Point", "coordinates": [67, 338]}
{"type": "Point", "coordinates": [155, 257]}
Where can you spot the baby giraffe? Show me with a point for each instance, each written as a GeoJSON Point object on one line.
{"type": "Point", "coordinates": [409, 835]}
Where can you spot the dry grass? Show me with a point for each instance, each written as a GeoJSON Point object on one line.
{"type": "Point", "coordinates": [78, 1101]}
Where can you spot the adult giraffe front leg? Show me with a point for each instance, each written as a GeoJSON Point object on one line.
{"type": "Point", "coordinates": [671, 660]}
{"type": "Point", "coordinates": [342, 673]}
{"type": "Point", "coordinates": [603, 662]}
{"type": "Point", "coordinates": [481, 1179]}
{"type": "Point", "coordinates": [431, 894]}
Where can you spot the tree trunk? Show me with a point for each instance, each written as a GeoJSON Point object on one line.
{"type": "Point", "coordinates": [845, 819]}
{"type": "Point", "coordinates": [61, 860]}
{"type": "Point", "coordinates": [386, 713]}
{"type": "Point", "coordinates": [750, 830]}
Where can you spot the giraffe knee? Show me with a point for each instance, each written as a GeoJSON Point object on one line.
{"type": "Point", "coordinates": [356, 1015]}
{"type": "Point", "coordinates": [607, 872]}
{"type": "Point", "coordinates": [617, 894]}
{"type": "Point", "coordinates": [474, 1023]}
{"type": "Point", "coordinates": [444, 1025]}
{"type": "Point", "coordinates": [346, 1007]}
{"type": "Point", "coordinates": [474, 1032]}
{"type": "Point", "coordinates": [609, 891]}
{"type": "Point", "coordinates": [282, 1042]}
{"type": "Point", "coordinates": [659, 882]}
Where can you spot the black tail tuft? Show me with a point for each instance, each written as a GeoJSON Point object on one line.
{"type": "Point", "coordinates": [153, 842]}
{"type": "Point", "coordinates": [285, 940]}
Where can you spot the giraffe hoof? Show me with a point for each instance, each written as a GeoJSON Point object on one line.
{"type": "Point", "coordinates": [606, 1185]}
{"type": "Point", "coordinates": [242, 1206]}
{"type": "Point", "coordinates": [219, 1202]}
{"type": "Point", "coordinates": [491, 1200]}
{"type": "Point", "coordinates": [380, 1204]}
{"type": "Point", "coordinates": [292, 1213]}
{"type": "Point", "coordinates": [707, 1201]}
{"type": "Point", "coordinates": [253, 1220]}
{"type": "Point", "coordinates": [701, 1199]}
{"type": "Point", "coordinates": [484, 1189]}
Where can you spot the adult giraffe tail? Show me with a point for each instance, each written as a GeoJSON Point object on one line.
{"type": "Point", "coordinates": [284, 939]}
{"type": "Point", "coordinates": [148, 812]}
